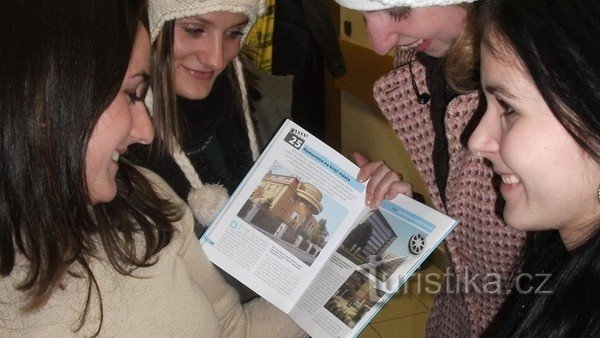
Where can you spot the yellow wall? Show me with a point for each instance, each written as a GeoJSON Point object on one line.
{"type": "Point", "coordinates": [359, 31]}
{"type": "Point", "coordinates": [363, 128]}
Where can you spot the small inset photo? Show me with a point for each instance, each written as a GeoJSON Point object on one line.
{"type": "Point", "coordinates": [381, 243]}
{"type": "Point", "coordinates": [353, 299]}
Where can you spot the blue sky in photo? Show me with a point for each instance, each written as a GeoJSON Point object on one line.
{"type": "Point", "coordinates": [333, 212]}
{"type": "Point", "coordinates": [403, 230]}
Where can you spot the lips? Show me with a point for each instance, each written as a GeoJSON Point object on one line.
{"type": "Point", "coordinates": [423, 45]}
{"type": "Point", "coordinates": [510, 183]}
{"type": "Point", "coordinates": [510, 179]}
{"type": "Point", "coordinates": [409, 46]}
{"type": "Point", "coordinates": [198, 74]}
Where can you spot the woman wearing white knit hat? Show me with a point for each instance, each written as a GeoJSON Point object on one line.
{"type": "Point", "coordinates": [206, 139]}
{"type": "Point", "coordinates": [198, 100]}
{"type": "Point", "coordinates": [202, 120]}
{"type": "Point", "coordinates": [429, 100]}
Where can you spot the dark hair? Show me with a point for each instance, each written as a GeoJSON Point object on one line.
{"type": "Point", "coordinates": [554, 41]}
{"type": "Point", "coordinates": [63, 63]}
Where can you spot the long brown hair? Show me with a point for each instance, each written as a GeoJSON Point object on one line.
{"type": "Point", "coordinates": [164, 100]}
{"type": "Point", "coordinates": [58, 74]}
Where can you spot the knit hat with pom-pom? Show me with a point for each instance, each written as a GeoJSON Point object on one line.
{"type": "Point", "coordinates": [206, 200]}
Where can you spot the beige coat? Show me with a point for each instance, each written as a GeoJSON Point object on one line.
{"type": "Point", "coordinates": [182, 295]}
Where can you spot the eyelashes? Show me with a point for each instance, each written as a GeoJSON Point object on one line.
{"type": "Point", "coordinates": [195, 32]}
{"type": "Point", "coordinates": [399, 14]}
{"type": "Point", "coordinates": [235, 34]}
{"type": "Point", "coordinates": [507, 110]}
{"type": "Point", "coordinates": [140, 94]}
{"type": "Point", "coordinates": [135, 98]}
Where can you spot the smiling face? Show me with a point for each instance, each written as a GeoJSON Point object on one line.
{"type": "Point", "coordinates": [203, 46]}
{"type": "Point", "coordinates": [431, 30]}
{"type": "Point", "coordinates": [548, 181]}
{"type": "Point", "coordinates": [124, 122]}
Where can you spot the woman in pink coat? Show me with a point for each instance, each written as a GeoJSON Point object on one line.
{"type": "Point", "coordinates": [431, 102]}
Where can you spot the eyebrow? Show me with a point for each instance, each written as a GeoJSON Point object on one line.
{"type": "Point", "coordinates": [495, 89]}
{"type": "Point", "coordinates": [142, 74]}
{"type": "Point", "coordinates": [209, 22]}
{"type": "Point", "coordinates": [145, 75]}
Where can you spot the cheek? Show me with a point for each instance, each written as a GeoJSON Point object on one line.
{"type": "Point", "coordinates": [447, 23]}
{"type": "Point", "coordinates": [113, 128]}
{"type": "Point", "coordinates": [187, 50]}
{"type": "Point", "coordinates": [514, 147]}
{"type": "Point", "coordinates": [231, 49]}
{"type": "Point", "coordinates": [111, 131]}
{"type": "Point", "coordinates": [548, 162]}
{"type": "Point", "coordinates": [379, 23]}
{"type": "Point", "coordinates": [182, 46]}
{"type": "Point", "coordinates": [528, 155]}
{"type": "Point", "coordinates": [95, 181]}
{"type": "Point", "coordinates": [179, 54]}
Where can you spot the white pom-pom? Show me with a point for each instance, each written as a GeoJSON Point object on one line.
{"type": "Point", "coordinates": [207, 201]}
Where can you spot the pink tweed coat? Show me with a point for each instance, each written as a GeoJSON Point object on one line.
{"type": "Point", "coordinates": [482, 251]}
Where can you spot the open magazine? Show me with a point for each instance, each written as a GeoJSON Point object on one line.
{"type": "Point", "coordinates": [298, 233]}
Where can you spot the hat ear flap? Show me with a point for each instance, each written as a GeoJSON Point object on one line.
{"type": "Point", "coordinates": [206, 202]}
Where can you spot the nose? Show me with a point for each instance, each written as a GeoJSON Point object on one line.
{"type": "Point", "coordinates": [213, 55]}
{"type": "Point", "coordinates": [382, 38]}
{"type": "Point", "coordinates": [142, 130]}
{"type": "Point", "coordinates": [485, 140]}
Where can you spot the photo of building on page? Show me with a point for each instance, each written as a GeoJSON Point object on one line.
{"type": "Point", "coordinates": [292, 212]}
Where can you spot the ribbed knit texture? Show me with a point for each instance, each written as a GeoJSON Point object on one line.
{"type": "Point", "coordinates": [161, 11]}
{"type": "Point", "coordinates": [375, 5]}
{"type": "Point", "coordinates": [481, 244]}
{"type": "Point", "coordinates": [182, 295]}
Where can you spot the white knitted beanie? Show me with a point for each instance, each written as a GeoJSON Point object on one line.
{"type": "Point", "coordinates": [161, 11]}
{"type": "Point", "coordinates": [376, 5]}
{"type": "Point", "coordinates": [206, 200]}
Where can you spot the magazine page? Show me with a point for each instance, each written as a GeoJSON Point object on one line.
{"type": "Point", "coordinates": [377, 257]}
{"type": "Point", "coordinates": [293, 209]}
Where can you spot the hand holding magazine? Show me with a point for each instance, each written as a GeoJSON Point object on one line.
{"type": "Point", "coordinates": [298, 233]}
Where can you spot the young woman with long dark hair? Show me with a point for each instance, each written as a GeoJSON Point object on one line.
{"type": "Point", "coordinates": [430, 100]}
{"type": "Point", "coordinates": [89, 244]}
{"type": "Point", "coordinates": [541, 132]}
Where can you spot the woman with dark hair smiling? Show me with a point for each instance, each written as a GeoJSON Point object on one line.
{"type": "Point", "coordinates": [541, 132]}
{"type": "Point", "coordinates": [89, 244]}
{"type": "Point", "coordinates": [431, 101]}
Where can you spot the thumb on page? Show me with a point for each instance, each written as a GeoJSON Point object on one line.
{"type": "Point", "coordinates": [359, 159]}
